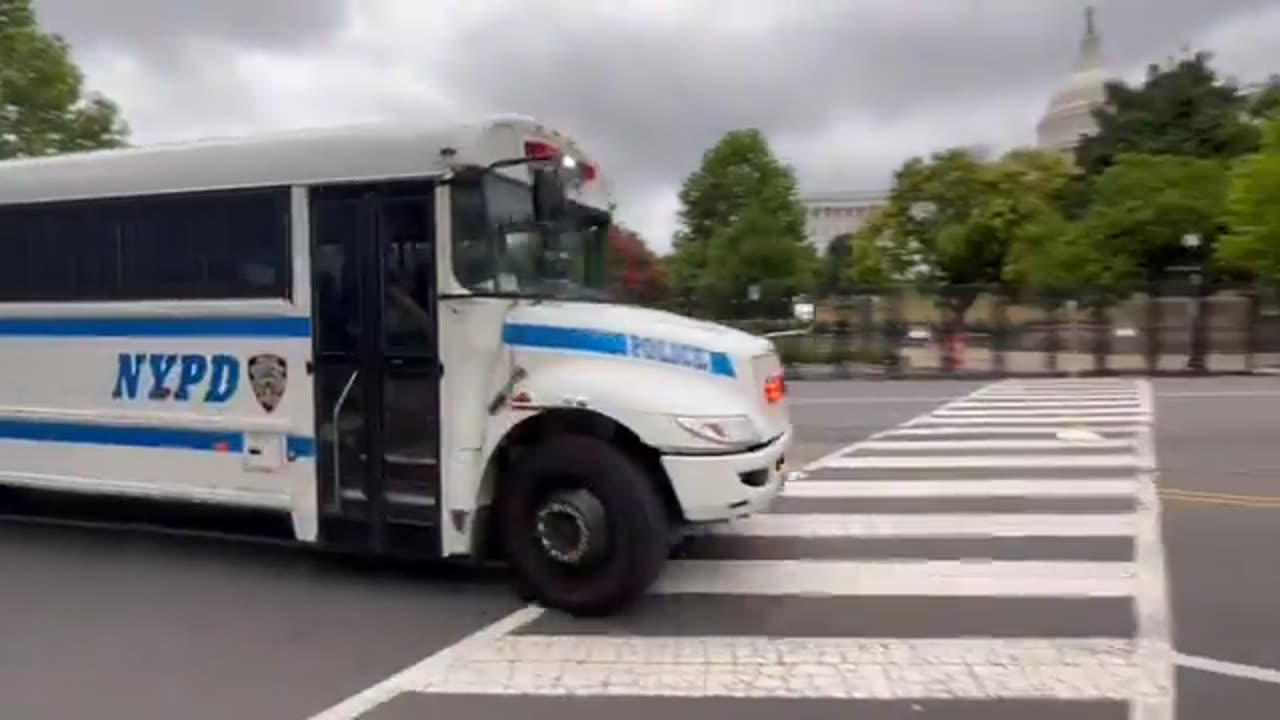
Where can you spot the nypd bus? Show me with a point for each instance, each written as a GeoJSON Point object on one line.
{"type": "Point", "coordinates": [390, 339]}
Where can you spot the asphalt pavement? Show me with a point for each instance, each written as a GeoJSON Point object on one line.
{"type": "Point", "coordinates": [1218, 441]}
{"type": "Point", "coordinates": [109, 625]}
{"type": "Point", "coordinates": [967, 575]}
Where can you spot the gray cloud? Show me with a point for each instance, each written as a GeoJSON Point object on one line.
{"type": "Point", "coordinates": [159, 27]}
{"type": "Point", "coordinates": [845, 88]}
{"type": "Point", "coordinates": [655, 97]}
{"type": "Point", "coordinates": [184, 53]}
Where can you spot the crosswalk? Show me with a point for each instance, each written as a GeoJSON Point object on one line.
{"type": "Point", "coordinates": [1001, 548]}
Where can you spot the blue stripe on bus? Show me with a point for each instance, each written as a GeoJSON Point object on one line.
{"type": "Point", "coordinates": [140, 437]}
{"type": "Point", "coordinates": [600, 342]}
{"type": "Point", "coordinates": [565, 338]}
{"type": "Point", "coordinates": [722, 365]}
{"type": "Point", "coordinates": [221, 326]}
{"type": "Point", "coordinates": [298, 446]}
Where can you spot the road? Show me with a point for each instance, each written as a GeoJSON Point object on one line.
{"type": "Point", "coordinates": [1219, 447]}
{"type": "Point", "coordinates": [874, 613]}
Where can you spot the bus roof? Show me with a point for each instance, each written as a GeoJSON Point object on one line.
{"type": "Point", "coordinates": [301, 157]}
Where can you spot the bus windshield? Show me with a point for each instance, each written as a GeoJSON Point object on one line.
{"type": "Point", "coordinates": [499, 248]}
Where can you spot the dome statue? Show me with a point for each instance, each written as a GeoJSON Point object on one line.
{"type": "Point", "coordinates": [1070, 112]}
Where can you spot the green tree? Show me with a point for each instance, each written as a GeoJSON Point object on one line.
{"type": "Point", "coordinates": [1049, 255]}
{"type": "Point", "coordinates": [1265, 104]}
{"type": "Point", "coordinates": [741, 225]}
{"type": "Point", "coordinates": [952, 220]}
{"type": "Point", "coordinates": [1252, 244]}
{"type": "Point", "coordinates": [1143, 207]}
{"type": "Point", "coordinates": [1182, 110]}
{"type": "Point", "coordinates": [1055, 257]}
{"type": "Point", "coordinates": [1044, 176]}
{"type": "Point", "coordinates": [834, 272]}
{"type": "Point", "coordinates": [870, 256]}
{"type": "Point", "coordinates": [43, 106]}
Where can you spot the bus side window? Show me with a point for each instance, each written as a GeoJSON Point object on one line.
{"type": "Point", "coordinates": [474, 261]}
{"type": "Point", "coordinates": [410, 275]}
{"type": "Point", "coordinates": [329, 313]}
{"type": "Point", "coordinates": [336, 284]}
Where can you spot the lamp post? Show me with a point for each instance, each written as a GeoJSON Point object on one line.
{"type": "Point", "coordinates": [1193, 244]}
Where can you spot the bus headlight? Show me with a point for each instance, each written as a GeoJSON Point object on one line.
{"type": "Point", "coordinates": [730, 431]}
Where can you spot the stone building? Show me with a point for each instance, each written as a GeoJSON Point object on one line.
{"type": "Point", "coordinates": [1070, 111]}
{"type": "Point", "coordinates": [830, 214]}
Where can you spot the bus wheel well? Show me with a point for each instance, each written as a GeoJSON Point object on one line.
{"type": "Point", "coordinates": [537, 429]}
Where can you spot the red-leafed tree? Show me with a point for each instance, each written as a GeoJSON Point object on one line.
{"type": "Point", "coordinates": [636, 274]}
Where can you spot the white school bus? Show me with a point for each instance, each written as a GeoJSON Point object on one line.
{"type": "Point", "coordinates": [390, 339]}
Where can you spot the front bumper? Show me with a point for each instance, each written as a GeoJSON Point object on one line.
{"type": "Point", "coordinates": [712, 488]}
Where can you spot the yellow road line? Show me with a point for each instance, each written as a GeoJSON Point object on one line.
{"type": "Point", "coordinates": [1221, 495]}
{"type": "Point", "coordinates": [1212, 498]}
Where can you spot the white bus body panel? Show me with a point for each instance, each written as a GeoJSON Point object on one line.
{"type": "Point", "coordinates": [304, 157]}
{"type": "Point", "coordinates": [157, 402]}
{"type": "Point", "coordinates": [644, 368]}
{"type": "Point", "coordinates": [641, 368]}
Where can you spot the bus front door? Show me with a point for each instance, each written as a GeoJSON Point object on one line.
{"type": "Point", "coordinates": [377, 366]}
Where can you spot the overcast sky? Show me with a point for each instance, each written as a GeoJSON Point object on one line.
{"type": "Point", "coordinates": [845, 89]}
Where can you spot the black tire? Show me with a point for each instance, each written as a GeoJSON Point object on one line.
{"type": "Point", "coordinates": [680, 546]}
{"type": "Point", "coordinates": [636, 526]}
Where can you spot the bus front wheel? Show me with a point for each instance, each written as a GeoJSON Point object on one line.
{"type": "Point", "coordinates": [582, 526]}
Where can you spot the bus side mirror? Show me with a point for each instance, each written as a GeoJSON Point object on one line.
{"type": "Point", "coordinates": [550, 200]}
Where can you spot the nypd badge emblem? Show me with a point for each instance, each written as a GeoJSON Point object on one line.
{"type": "Point", "coordinates": [268, 376]}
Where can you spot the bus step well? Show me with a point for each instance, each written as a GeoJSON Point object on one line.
{"type": "Point", "coordinates": [410, 485]}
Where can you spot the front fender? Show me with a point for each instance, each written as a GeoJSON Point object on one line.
{"type": "Point", "coordinates": [641, 397]}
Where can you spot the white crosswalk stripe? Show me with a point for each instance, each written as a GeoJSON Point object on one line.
{"type": "Point", "coordinates": [1050, 402]}
{"type": "Point", "coordinates": [899, 462]}
{"type": "Point", "coordinates": [1024, 410]}
{"type": "Point", "coordinates": [978, 445]}
{"type": "Point", "coordinates": [931, 525]}
{"type": "Point", "coordinates": [987, 430]}
{"type": "Point", "coordinates": [922, 577]}
{"type": "Point", "coordinates": [960, 488]}
{"type": "Point", "coordinates": [1061, 598]}
{"type": "Point", "coordinates": [1060, 419]}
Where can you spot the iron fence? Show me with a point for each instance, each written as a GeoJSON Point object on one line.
{"type": "Point", "coordinates": [899, 331]}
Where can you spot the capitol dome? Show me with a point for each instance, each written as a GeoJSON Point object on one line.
{"type": "Point", "coordinates": [1070, 112]}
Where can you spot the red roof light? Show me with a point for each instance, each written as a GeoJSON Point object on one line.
{"type": "Point", "coordinates": [540, 150]}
